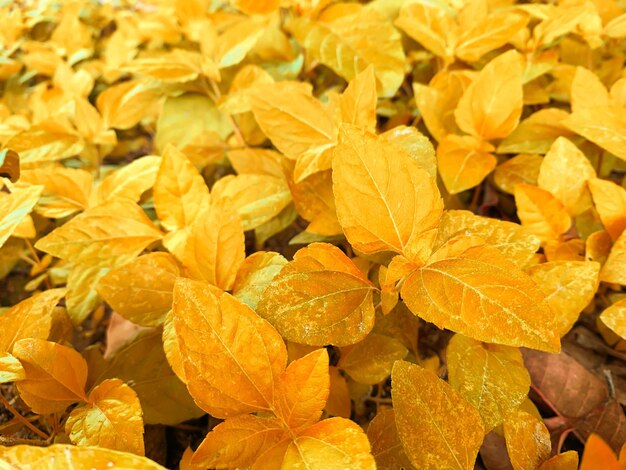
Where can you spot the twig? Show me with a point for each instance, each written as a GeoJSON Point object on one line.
{"type": "Point", "coordinates": [22, 419]}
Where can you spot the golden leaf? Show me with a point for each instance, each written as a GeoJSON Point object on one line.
{"type": "Point", "coordinates": [598, 454]}
{"type": "Point", "coordinates": [512, 240]}
{"type": "Point", "coordinates": [464, 162]}
{"type": "Point", "coordinates": [319, 298]}
{"type": "Point", "coordinates": [215, 245]}
{"type": "Point", "coordinates": [82, 298]}
{"type": "Point", "coordinates": [111, 418]}
{"type": "Point", "coordinates": [237, 442]}
{"type": "Point", "coordinates": [141, 291]}
{"type": "Point", "coordinates": [257, 198]}
{"type": "Point", "coordinates": [14, 207]}
{"type": "Point", "coordinates": [180, 194]}
{"type": "Point", "coordinates": [432, 25]}
{"type": "Point", "coordinates": [123, 105]}
{"type": "Point", "coordinates": [297, 124]}
{"type": "Point", "coordinates": [415, 144]}
{"type": "Point", "coordinates": [256, 161]}
{"type": "Point", "coordinates": [171, 347]}
{"type": "Point", "coordinates": [402, 211]}
{"type": "Point", "coordinates": [565, 461]}
{"type": "Point", "coordinates": [351, 43]}
{"type": "Point", "coordinates": [614, 317]}
{"type": "Point", "coordinates": [370, 361]}
{"type": "Point", "coordinates": [65, 190]}
{"type": "Point", "coordinates": [610, 202]}
{"type": "Point", "coordinates": [490, 377]}
{"type": "Point", "coordinates": [237, 40]}
{"type": "Point", "coordinates": [613, 269]}
{"type": "Point", "coordinates": [358, 102]}
{"type": "Point", "coordinates": [527, 440]}
{"type": "Point", "coordinates": [31, 318]}
{"type": "Point", "coordinates": [605, 126]}
{"type": "Point", "coordinates": [11, 369]}
{"type": "Point", "coordinates": [564, 172]}
{"type": "Point", "coordinates": [255, 274]}
{"type": "Point", "coordinates": [302, 391]}
{"type": "Point", "coordinates": [522, 168]}
{"type": "Point", "coordinates": [45, 142]}
{"type": "Point", "coordinates": [476, 291]}
{"type": "Point", "coordinates": [332, 444]}
{"type": "Point", "coordinates": [540, 212]}
{"type": "Point", "coordinates": [491, 106]}
{"type": "Point", "coordinates": [536, 133]}
{"type": "Point", "coordinates": [451, 430]}
{"type": "Point", "coordinates": [386, 445]}
{"type": "Point", "coordinates": [64, 456]}
{"type": "Point", "coordinates": [55, 375]}
{"type": "Point", "coordinates": [130, 181]}
{"type": "Point", "coordinates": [143, 365]}
{"type": "Point", "coordinates": [215, 337]}
{"type": "Point", "coordinates": [569, 287]}
{"type": "Point", "coordinates": [172, 66]}
{"type": "Point", "coordinates": [114, 231]}
{"type": "Point", "coordinates": [588, 91]}
{"type": "Point", "coordinates": [338, 403]}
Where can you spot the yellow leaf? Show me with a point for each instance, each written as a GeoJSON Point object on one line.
{"type": "Point", "coordinates": [319, 298]}
{"type": "Point", "coordinates": [111, 418]}
{"type": "Point", "coordinates": [172, 66]}
{"type": "Point", "coordinates": [588, 91]}
{"type": "Point", "coordinates": [302, 391]}
{"type": "Point", "coordinates": [31, 318]}
{"type": "Point", "coordinates": [338, 403]}
{"type": "Point", "coordinates": [536, 133]}
{"type": "Point", "coordinates": [490, 377]}
{"type": "Point", "coordinates": [11, 369]}
{"type": "Point", "coordinates": [332, 444]}
{"type": "Point", "coordinates": [527, 440]}
{"type": "Point", "coordinates": [180, 193]}
{"type": "Point", "coordinates": [130, 181]}
{"type": "Point", "coordinates": [171, 347]}
{"type": "Point", "coordinates": [610, 202]}
{"type": "Point", "coordinates": [252, 7]}
{"type": "Point", "coordinates": [370, 361]}
{"type": "Point", "coordinates": [64, 456]}
{"type": "Point", "coordinates": [512, 240]}
{"type": "Point", "coordinates": [464, 162]}
{"type": "Point", "coordinates": [376, 215]}
{"type": "Point", "coordinates": [598, 246]}
{"type": "Point", "coordinates": [351, 43]}
{"type": "Point", "coordinates": [114, 231]}
{"type": "Point", "coordinates": [216, 336]}
{"type": "Point", "coordinates": [141, 291]}
{"type": "Point", "coordinates": [476, 291]}
{"type": "Point", "coordinates": [564, 172]}
{"type": "Point", "coordinates": [569, 287]}
{"type": "Point", "coordinates": [255, 274]}
{"type": "Point", "coordinates": [437, 101]}
{"type": "Point", "coordinates": [415, 144]}
{"type": "Point", "coordinates": [257, 198]}
{"type": "Point", "coordinates": [14, 207]}
{"type": "Point", "coordinates": [540, 212]}
{"type": "Point", "coordinates": [256, 161]}
{"type": "Point", "coordinates": [297, 124]}
{"type": "Point", "coordinates": [491, 106]}
{"type": "Point", "coordinates": [185, 118]}
{"type": "Point", "coordinates": [81, 298]}
{"type": "Point", "coordinates": [358, 102]}
{"type": "Point", "coordinates": [237, 40]}
{"type": "Point", "coordinates": [386, 445]}
{"type": "Point", "coordinates": [451, 430]}
{"type": "Point", "coordinates": [605, 126]}
{"type": "Point", "coordinates": [613, 269]}
{"type": "Point", "coordinates": [55, 375]}
{"type": "Point", "coordinates": [598, 454]}
{"type": "Point", "coordinates": [143, 365]}
{"type": "Point", "coordinates": [215, 245]}
{"type": "Point", "coordinates": [45, 142]}
{"type": "Point", "coordinates": [565, 461]}
{"type": "Point", "coordinates": [614, 317]}
{"type": "Point", "coordinates": [237, 442]}
{"type": "Point", "coordinates": [519, 169]}
{"type": "Point", "coordinates": [122, 106]}
{"type": "Point", "coordinates": [65, 190]}
{"type": "Point", "coordinates": [432, 25]}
